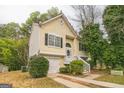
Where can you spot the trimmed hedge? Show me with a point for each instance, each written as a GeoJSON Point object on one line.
{"type": "Point", "coordinates": [38, 66]}
{"type": "Point", "coordinates": [76, 67]}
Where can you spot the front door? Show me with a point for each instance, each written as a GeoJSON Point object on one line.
{"type": "Point", "coordinates": [68, 54]}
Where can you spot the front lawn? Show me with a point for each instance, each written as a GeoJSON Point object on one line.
{"type": "Point", "coordinates": [100, 71]}
{"type": "Point", "coordinates": [23, 80]}
{"type": "Point", "coordinates": [112, 79]}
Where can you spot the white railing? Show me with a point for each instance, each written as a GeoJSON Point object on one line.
{"type": "Point", "coordinates": [86, 65]}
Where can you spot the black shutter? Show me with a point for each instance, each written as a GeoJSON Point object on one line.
{"type": "Point", "coordinates": [61, 43]}
{"type": "Point", "coordinates": [46, 38]}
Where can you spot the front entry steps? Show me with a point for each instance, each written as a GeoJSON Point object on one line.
{"type": "Point", "coordinates": [90, 83]}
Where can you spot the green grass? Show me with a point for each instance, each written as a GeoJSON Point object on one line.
{"type": "Point", "coordinates": [24, 80]}
{"type": "Point", "coordinates": [112, 79]}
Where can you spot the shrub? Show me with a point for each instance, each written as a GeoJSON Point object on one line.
{"type": "Point", "coordinates": [76, 67]}
{"type": "Point", "coordinates": [24, 68]}
{"type": "Point", "coordinates": [65, 69]}
{"type": "Point", "coordinates": [14, 64]}
{"type": "Point", "coordinates": [38, 66]}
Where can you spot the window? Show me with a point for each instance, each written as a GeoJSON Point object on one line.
{"type": "Point", "coordinates": [57, 41]}
{"type": "Point", "coordinates": [68, 45]}
{"type": "Point", "coordinates": [82, 47]}
{"type": "Point", "coordinates": [53, 40]}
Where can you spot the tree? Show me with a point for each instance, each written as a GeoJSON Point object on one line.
{"type": "Point", "coordinates": [25, 30]}
{"type": "Point", "coordinates": [26, 27]}
{"type": "Point", "coordinates": [114, 24]}
{"type": "Point", "coordinates": [54, 11]}
{"type": "Point", "coordinates": [114, 21]}
{"type": "Point", "coordinates": [13, 52]}
{"type": "Point", "coordinates": [92, 39]}
{"type": "Point", "coordinates": [12, 44]}
{"type": "Point", "coordinates": [109, 57]}
{"type": "Point", "coordinates": [86, 14]}
{"type": "Point", "coordinates": [44, 17]}
{"type": "Point", "coordinates": [34, 17]}
{"type": "Point", "coordinates": [91, 36]}
{"type": "Point", "coordinates": [22, 50]}
{"type": "Point", "coordinates": [10, 30]}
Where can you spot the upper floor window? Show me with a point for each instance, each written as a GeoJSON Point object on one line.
{"type": "Point", "coordinates": [53, 40]}
{"type": "Point", "coordinates": [57, 41]}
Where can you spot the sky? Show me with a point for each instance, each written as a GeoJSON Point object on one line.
{"type": "Point", "coordinates": [19, 13]}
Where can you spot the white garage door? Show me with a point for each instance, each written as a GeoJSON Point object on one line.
{"type": "Point", "coordinates": [53, 65]}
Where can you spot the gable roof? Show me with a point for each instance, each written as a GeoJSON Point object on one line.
{"type": "Point", "coordinates": [66, 21]}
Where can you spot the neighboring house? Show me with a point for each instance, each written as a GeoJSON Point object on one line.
{"type": "Point", "coordinates": [56, 40]}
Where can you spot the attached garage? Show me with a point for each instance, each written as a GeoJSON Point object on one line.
{"type": "Point", "coordinates": [54, 64]}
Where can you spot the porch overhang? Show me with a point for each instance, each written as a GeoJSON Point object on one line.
{"type": "Point", "coordinates": [52, 54]}
{"type": "Point", "coordinates": [70, 37]}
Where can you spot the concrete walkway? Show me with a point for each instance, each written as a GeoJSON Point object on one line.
{"type": "Point", "coordinates": [90, 81]}
{"type": "Point", "coordinates": [65, 82]}
{"type": "Point", "coordinates": [92, 76]}
{"type": "Point", "coordinates": [69, 83]}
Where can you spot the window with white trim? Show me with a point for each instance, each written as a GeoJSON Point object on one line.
{"type": "Point", "coordinates": [54, 40]}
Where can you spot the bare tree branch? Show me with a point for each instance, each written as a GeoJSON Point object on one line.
{"type": "Point", "coordinates": [86, 14]}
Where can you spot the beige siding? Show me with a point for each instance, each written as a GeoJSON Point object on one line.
{"type": "Point", "coordinates": [57, 28]}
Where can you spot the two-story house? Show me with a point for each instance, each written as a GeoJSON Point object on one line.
{"type": "Point", "coordinates": [56, 40]}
